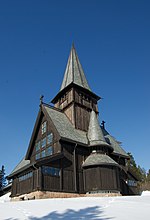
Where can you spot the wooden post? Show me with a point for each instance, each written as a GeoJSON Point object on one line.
{"type": "Point", "coordinates": [40, 178]}
{"type": "Point", "coordinates": [75, 169]}
{"type": "Point", "coordinates": [61, 175]}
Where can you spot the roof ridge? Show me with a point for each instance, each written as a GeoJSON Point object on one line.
{"type": "Point", "coordinates": [52, 107]}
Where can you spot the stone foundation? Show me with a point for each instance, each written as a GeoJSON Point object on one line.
{"type": "Point", "coordinates": [47, 194]}
{"type": "Point", "coordinates": [103, 194]}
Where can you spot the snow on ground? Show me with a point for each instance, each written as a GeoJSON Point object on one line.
{"type": "Point", "coordinates": [88, 208]}
{"type": "Point", "coordinates": [5, 198]}
{"type": "Point", "coordinates": [146, 193]}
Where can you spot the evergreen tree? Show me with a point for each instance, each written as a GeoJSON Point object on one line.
{"type": "Point", "coordinates": [131, 162]}
{"type": "Point", "coordinates": [137, 170]}
{"type": "Point", "coordinates": [148, 176]}
{"type": "Point", "coordinates": [143, 177]}
{"type": "Point", "coordinates": [2, 178]}
{"type": "Point", "coordinates": [142, 173]}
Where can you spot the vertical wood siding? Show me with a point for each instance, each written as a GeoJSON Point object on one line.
{"type": "Point", "coordinates": [101, 178]}
{"type": "Point", "coordinates": [50, 183]}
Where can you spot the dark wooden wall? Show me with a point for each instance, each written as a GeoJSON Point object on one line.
{"type": "Point", "coordinates": [24, 186]}
{"type": "Point", "coordinates": [77, 105]}
{"type": "Point", "coordinates": [51, 183]}
{"type": "Point", "coordinates": [72, 167]}
{"type": "Point", "coordinates": [101, 178]}
{"type": "Point", "coordinates": [39, 136]}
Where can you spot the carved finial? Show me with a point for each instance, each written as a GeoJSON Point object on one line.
{"type": "Point", "coordinates": [103, 124]}
{"type": "Point", "coordinates": [41, 99]}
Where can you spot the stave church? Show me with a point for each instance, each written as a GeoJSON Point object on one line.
{"type": "Point", "coordinates": [70, 153]}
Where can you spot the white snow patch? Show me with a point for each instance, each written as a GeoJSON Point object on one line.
{"type": "Point", "coordinates": [85, 208]}
{"type": "Point", "coordinates": [146, 193]}
{"type": "Point", "coordinates": [5, 198]}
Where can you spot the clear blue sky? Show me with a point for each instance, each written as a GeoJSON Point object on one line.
{"type": "Point", "coordinates": [112, 39]}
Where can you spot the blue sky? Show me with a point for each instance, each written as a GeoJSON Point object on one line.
{"type": "Point", "coordinates": [112, 39]}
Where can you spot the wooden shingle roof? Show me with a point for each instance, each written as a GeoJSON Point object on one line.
{"type": "Point", "coordinates": [95, 134]}
{"type": "Point", "coordinates": [64, 127]}
{"type": "Point", "coordinates": [74, 72]}
{"type": "Point", "coordinates": [113, 142]}
{"type": "Point", "coordinates": [99, 159]}
{"type": "Point", "coordinates": [22, 165]}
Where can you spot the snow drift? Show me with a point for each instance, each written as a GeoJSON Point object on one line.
{"type": "Point", "coordinates": [88, 208]}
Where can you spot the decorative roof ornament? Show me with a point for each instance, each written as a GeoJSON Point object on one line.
{"type": "Point", "coordinates": [103, 124]}
{"type": "Point", "coordinates": [74, 72]}
{"type": "Point", "coordinates": [41, 99]}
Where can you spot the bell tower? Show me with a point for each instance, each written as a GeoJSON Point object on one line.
{"type": "Point", "coordinates": [75, 97]}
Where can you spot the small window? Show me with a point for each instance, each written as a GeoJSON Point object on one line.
{"type": "Point", "coordinates": [37, 156]}
{"type": "Point", "coordinates": [50, 138]}
{"type": "Point", "coordinates": [25, 176]}
{"type": "Point", "coordinates": [44, 127]}
{"type": "Point", "coordinates": [37, 146]}
{"type": "Point", "coordinates": [49, 151]}
{"type": "Point", "coordinates": [43, 153]}
{"type": "Point", "coordinates": [132, 183]}
{"type": "Point", "coordinates": [43, 142]}
{"type": "Point", "coordinates": [56, 172]}
{"type": "Point", "coordinates": [51, 171]}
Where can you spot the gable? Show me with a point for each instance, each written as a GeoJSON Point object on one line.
{"type": "Point", "coordinates": [43, 133]}
{"type": "Point", "coordinates": [59, 125]}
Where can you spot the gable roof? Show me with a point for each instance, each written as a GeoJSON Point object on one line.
{"type": "Point", "coordinates": [74, 72]}
{"type": "Point", "coordinates": [64, 127]}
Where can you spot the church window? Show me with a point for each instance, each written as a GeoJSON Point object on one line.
{"type": "Point", "coordinates": [44, 147]}
{"type": "Point", "coordinates": [49, 151]}
{"type": "Point", "coordinates": [50, 138]}
{"type": "Point", "coordinates": [37, 156]}
{"type": "Point", "coordinates": [37, 146]}
{"type": "Point", "coordinates": [43, 154]}
{"type": "Point", "coordinates": [52, 171]}
{"type": "Point", "coordinates": [25, 176]}
{"type": "Point", "coordinates": [43, 142]}
{"type": "Point", "coordinates": [44, 127]}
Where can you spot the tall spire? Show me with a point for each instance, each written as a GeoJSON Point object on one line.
{"type": "Point", "coordinates": [74, 72]}
{"type": "Point", "coordinates": [95, 134]}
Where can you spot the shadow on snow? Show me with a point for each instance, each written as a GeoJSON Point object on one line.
{"type": "Point", "coordinates": [91, 213]}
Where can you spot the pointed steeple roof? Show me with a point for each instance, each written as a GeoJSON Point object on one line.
{"type": "Point", "coordinates": [95, 134]}
{"type": "Point", "coordinates": [74, 75]}
{"type": "Point", "coordinates": [74, 72]}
